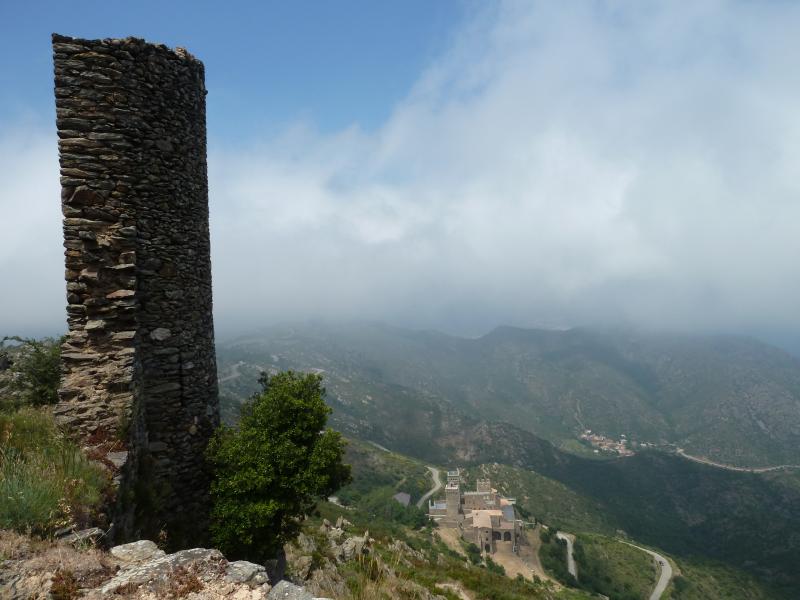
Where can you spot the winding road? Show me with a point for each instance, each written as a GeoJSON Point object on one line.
{"type": "Point", "coordinates": [437, 485]}
{"type": "Point", "coordinates": [571, 566]}
{"type": "Point", "coordinates": [665, 570]}
{"type": "Point", "coordinates": [711, 463]}
{"type": "Point", "coordinates": [234, 372]}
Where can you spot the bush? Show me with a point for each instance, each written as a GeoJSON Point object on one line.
{"type": "Point", "coordinates": [35, 370]}
{"type": "Point", "coordinates": [494, 567]}
{"type": "Point", "coordinates": [473, 553]}
{"type": "Point", "coordinates": [272, 468]}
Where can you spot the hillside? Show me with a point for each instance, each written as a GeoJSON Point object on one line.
{"type": "Point", "coordinates": [658, 498]}
{"type": "Point", "coordinates": [733, 400]}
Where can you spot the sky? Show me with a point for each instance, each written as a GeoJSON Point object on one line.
{"type": "Point", "coordinates": [454, 165]}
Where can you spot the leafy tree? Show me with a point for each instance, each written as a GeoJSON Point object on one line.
{"type": "Point", "coordinates": [36, 369]}
{"type": "Point", "coordinates": [271, 469]}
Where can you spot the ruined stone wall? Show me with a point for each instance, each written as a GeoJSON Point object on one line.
{"type": "Point", "coordinates": [139, 370]}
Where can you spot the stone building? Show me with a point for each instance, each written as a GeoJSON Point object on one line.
{"type": "Point", "coordinates": [139, 380]}
{"type": "Point", "coordinates": [482, 516]}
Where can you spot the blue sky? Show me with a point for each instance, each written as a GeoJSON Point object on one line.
{"type": "Point", "coordinates": [455, 165]}
{"type": "Point", "coordinates": [331, 63]}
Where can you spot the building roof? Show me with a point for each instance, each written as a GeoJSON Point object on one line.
{"type": "Point", "coordinates": [483, 518]}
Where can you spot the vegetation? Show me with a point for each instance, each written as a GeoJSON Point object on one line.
{"type": "Point", "coordinates": [377, 476]}
{"type": "Point", "coordinates": [270, 470]}
{"type": "Point", "coordinates": [45, 481]}
{"type": "Point", "coordinates": [548, 500]}
{"type": "Point", "coordinates": [611, 568]}
{"type": "Point", "coordinates": [31, 373]}
{"type": "Point", "coordinates": [553, 555]}
{"type": "Point", "coordinates": [701, 579]}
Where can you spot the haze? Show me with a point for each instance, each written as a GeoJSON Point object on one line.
{"type": "Point", "coordinates": [544, 164]}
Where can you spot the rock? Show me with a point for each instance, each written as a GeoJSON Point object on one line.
{"type": "Point", "coordinates": [160, 334]}
{"type": "Point", "coordinates": [137, 552]}
{"type": "Point", "coordinates": [305, 543]}
{"type": "Point", "coordinates": [242, 571]}
{"type": "Point", "coordinates": [96, 325]}
{"type": "Point", "coordinates": [160, 568]}
{"type": "Point", "coordinates": [118, 459]}
{"type": "Point", "coordinates": [354, 546]}
{"type": "Point", "coordinates": [93, 535]}
{"type": "Point", "coordinates": [288, 591]}
{"type": "Point", "coordinates": [302, 567]}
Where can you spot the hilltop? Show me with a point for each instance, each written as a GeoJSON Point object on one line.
{"type": "Point", "coordinates": [729, 399]}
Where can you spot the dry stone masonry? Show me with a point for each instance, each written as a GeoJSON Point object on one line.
{"type": "Point", "coordinates": [139, 369]}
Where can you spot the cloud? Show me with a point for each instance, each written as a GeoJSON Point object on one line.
{"type": "Point", "coordinates": [32, 296]}
{"type": "Point", "coordinates": [560, 164]}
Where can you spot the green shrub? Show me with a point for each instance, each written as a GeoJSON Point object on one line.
{"type": "Point", "coordinates": [494, 567]}
{"type": "Point", "coordinates": [35, 371]}
{"type": "Point", "coordinates": [270, 470]}
{"type": "Point", "coordinates": [45, 481]}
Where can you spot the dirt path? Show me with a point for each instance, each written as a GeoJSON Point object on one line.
{"type": "Point", "coordinates": [450, 537]}
{"type": "Point", "coordinates": [512, 563]}
{"type": "Point", "coordinates": [437, 485]}
{"type": "Point", "coordinates": [529, 552]}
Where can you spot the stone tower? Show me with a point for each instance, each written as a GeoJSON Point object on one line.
{"type": "Point", "coordinates": [452, 494]}
{"type": "Point", "coordinates": [139, 379]}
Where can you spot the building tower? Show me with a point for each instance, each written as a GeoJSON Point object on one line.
{"type": "Point", "coordinates": [453, 497]}
{"type": "Point", "coordinates": [138, 363]}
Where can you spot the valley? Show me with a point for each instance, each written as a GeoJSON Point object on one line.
{"type": "Point", "coordinates": [655, 498]}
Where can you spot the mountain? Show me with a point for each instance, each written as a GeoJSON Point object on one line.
{"type": "Point", "coordinates": [729, 399]}
{"type": "Point", "coordinates": [520, 399]}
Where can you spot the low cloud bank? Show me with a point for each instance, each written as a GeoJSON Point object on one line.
{"type": "Point", "coordinates": [560, 164]}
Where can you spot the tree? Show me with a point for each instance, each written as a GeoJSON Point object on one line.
{"type": "Point", "coordinates": [271, 469]}
{"type": "Point", "coordinates": [36, 369]}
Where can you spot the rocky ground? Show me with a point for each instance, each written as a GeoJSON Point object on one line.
{"type": "Point", "coordinates": [317, 560]}
{"type": "Point", "coordinates": [74, 567]}
{"type": "Point", "coordinates": [71, 569]}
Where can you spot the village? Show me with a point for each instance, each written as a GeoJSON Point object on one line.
{"type": "Point", "coordinates": [601, 443]}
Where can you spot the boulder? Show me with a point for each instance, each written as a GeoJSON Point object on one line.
{"type": "Point", "coordinates": [242, 571]}
{"type": "Point", "coordinates": [288, 591]}
{"type": "Point", "coordinates": [136, 552]}
{"type": "Point", "coordinates": [160, 568]}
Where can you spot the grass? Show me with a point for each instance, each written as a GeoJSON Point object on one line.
{"type": "Point", "coordinates": [700, 579]}
{"type": "Point", "coordinates": [45, 481]}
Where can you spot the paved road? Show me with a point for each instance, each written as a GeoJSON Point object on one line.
{"type": "Point", "coordinates": [664, 568]}
{"type": "Point", "coordinates": [234, 372]}
{"type": "Point", "coordinates": [437, 485]}
{"type": "Point", "coordinates": [571, 566]}
{"type": "Point", "coordinates": [706, 461]}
